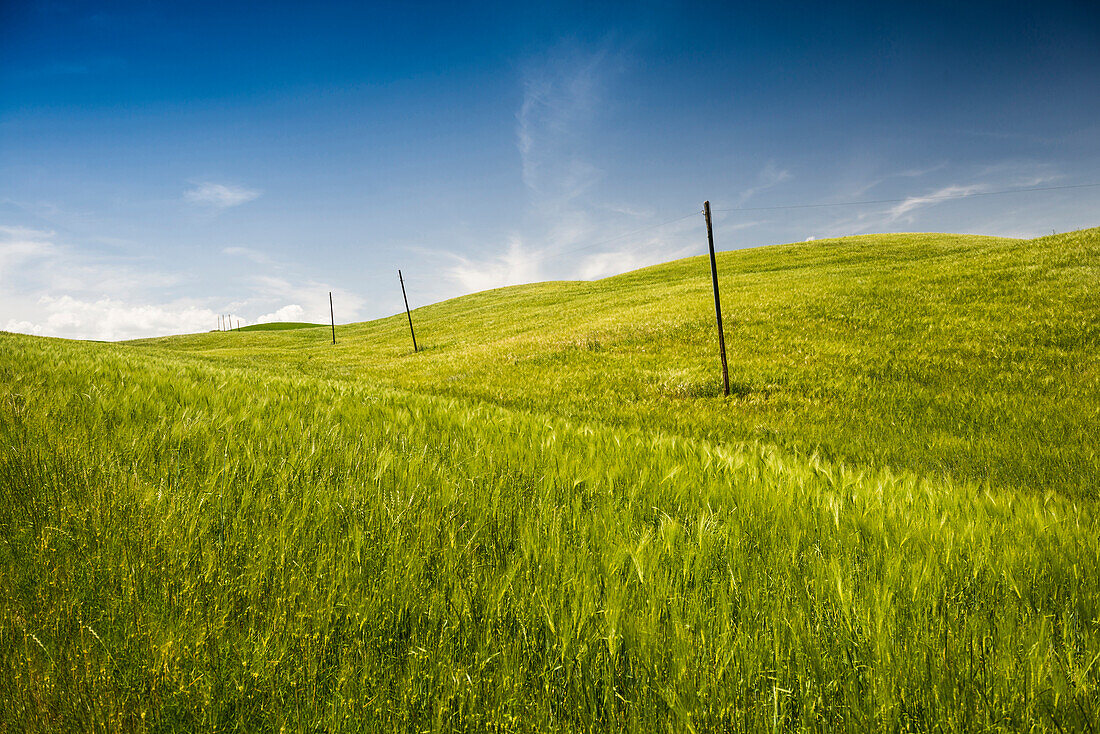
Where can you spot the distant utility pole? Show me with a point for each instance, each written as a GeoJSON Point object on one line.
{"type": "Point", "coordinates": [332, 315]}
{"type": "Point", "coordinates": [717, 301]}
{"type": "Point", "coordinates": [407, 311]}
{"type": "Point", "coordinates": [238, 324]}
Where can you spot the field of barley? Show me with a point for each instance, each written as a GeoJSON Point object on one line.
{"type": "Point", "coordinates": [549, 519]}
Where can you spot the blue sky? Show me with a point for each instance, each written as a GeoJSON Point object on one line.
{"type": "Point", "coordinates": [161, 163]}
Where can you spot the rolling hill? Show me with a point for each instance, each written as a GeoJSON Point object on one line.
{"type": "Point", "coordinates": [278, 326]}
{"type": "Point", "coordinates": [943, 354]}
{"type": "Point", "coordinates": [550, 520]}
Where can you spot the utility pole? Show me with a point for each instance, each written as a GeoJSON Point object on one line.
{"type": "Point", "coordinates": [717, 301]}
{"type": "Point", "coordinates": [332, 315]}
{"type": "Point", "coordinates": [407, 311]}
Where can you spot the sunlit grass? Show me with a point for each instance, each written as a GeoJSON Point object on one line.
{"type": "Point", "coordinates": [549, 521]}
{"type": "Point", "coordinates": [277, 326]}
{"type": "Point", "coordinates": [942, 354]}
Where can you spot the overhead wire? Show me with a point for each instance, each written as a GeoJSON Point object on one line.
{"type": "Point", "coordinates": [863, 202]}
{"type": "Point", "coordinates": [930, 197]}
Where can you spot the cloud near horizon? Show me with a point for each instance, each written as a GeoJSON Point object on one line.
{"type": "Point", "coordinates": [109, 319]}
{"type": "Point", "coordinates": [48, 288]}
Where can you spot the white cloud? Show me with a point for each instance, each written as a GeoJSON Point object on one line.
{"type": "Point", "coordinates": [52, 289]}
{"type": "Point", "coordinates": [111, 320]}
{"type": "Point", "coordinates": [290, 299]}
{"type": "Point", "coordinates": [219, 196]}
{"type": "Point", "coordinates": [293, 312]}
{"type": "Point", "coordinates": [604, 264]}
{"type": "Point", "coordinates": [34, 269]}
{"type": "Point", "coordinates": [518, 264]}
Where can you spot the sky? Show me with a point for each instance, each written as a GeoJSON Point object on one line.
{"type": "Point", "coordinates": [164, 163]}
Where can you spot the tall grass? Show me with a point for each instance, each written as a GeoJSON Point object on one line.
{"type": "Point", "coordinates": [971, 357]}
{"type": "Point", "coordinates": [194, 546]}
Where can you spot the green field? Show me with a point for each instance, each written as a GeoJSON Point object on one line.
{"type": "Point", "coordinates": [550, 519]}
{"type": "Point", "coordinates": [278, 326]}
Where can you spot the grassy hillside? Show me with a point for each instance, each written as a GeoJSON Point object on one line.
{"type": "Point", "coordinates": [547, 521]}
{"type": "Point", "coordinates": [278, 326]}
{"type": "Point", "coordinates": [942, 354]}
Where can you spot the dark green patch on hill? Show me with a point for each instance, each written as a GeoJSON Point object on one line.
{"type": "Point", "coordinates": [278, 326]}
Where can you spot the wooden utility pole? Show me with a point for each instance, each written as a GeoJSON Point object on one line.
{"type": "Point", "coordinates": [717, 301]}
{"type": "Point", "coordinates": [332, 315]}
{"type": "Point", "coordinates": [407, 311]}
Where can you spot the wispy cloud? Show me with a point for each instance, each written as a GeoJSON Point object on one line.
{"type": "Point", "coordinates": [770, 176]}
{"type": "Point", "coordinates": [517, 264]}
{"type": "Point", "coordinates": [561, 98]}
{"type": "Point", "coordinates": [219, 196]}
{"type": "Point", "coordinates": [248, 253]}
{"type": "Point", "coordinates": [920, 211]}
{"type": "Point", "coordinates": [568, 231]}
{"type": "Point", "coordinates": [524, 263]}
{"type": "Point", "coordinates": [656, 250]}
{"type": "Point", "coordinates": [907, 206]}
{"type": "Point", "coordinates": [19, 244]}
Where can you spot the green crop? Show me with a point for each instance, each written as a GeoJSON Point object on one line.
{"type": "Point", "coordinates": [549, 520]}
{"type": "Point", "coordinates": [277, 326]}
{"type": "Point", "coordinates": [966, 356]}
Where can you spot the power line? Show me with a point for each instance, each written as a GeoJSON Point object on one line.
{"type": "Point", "coordinates": [930, 197]}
